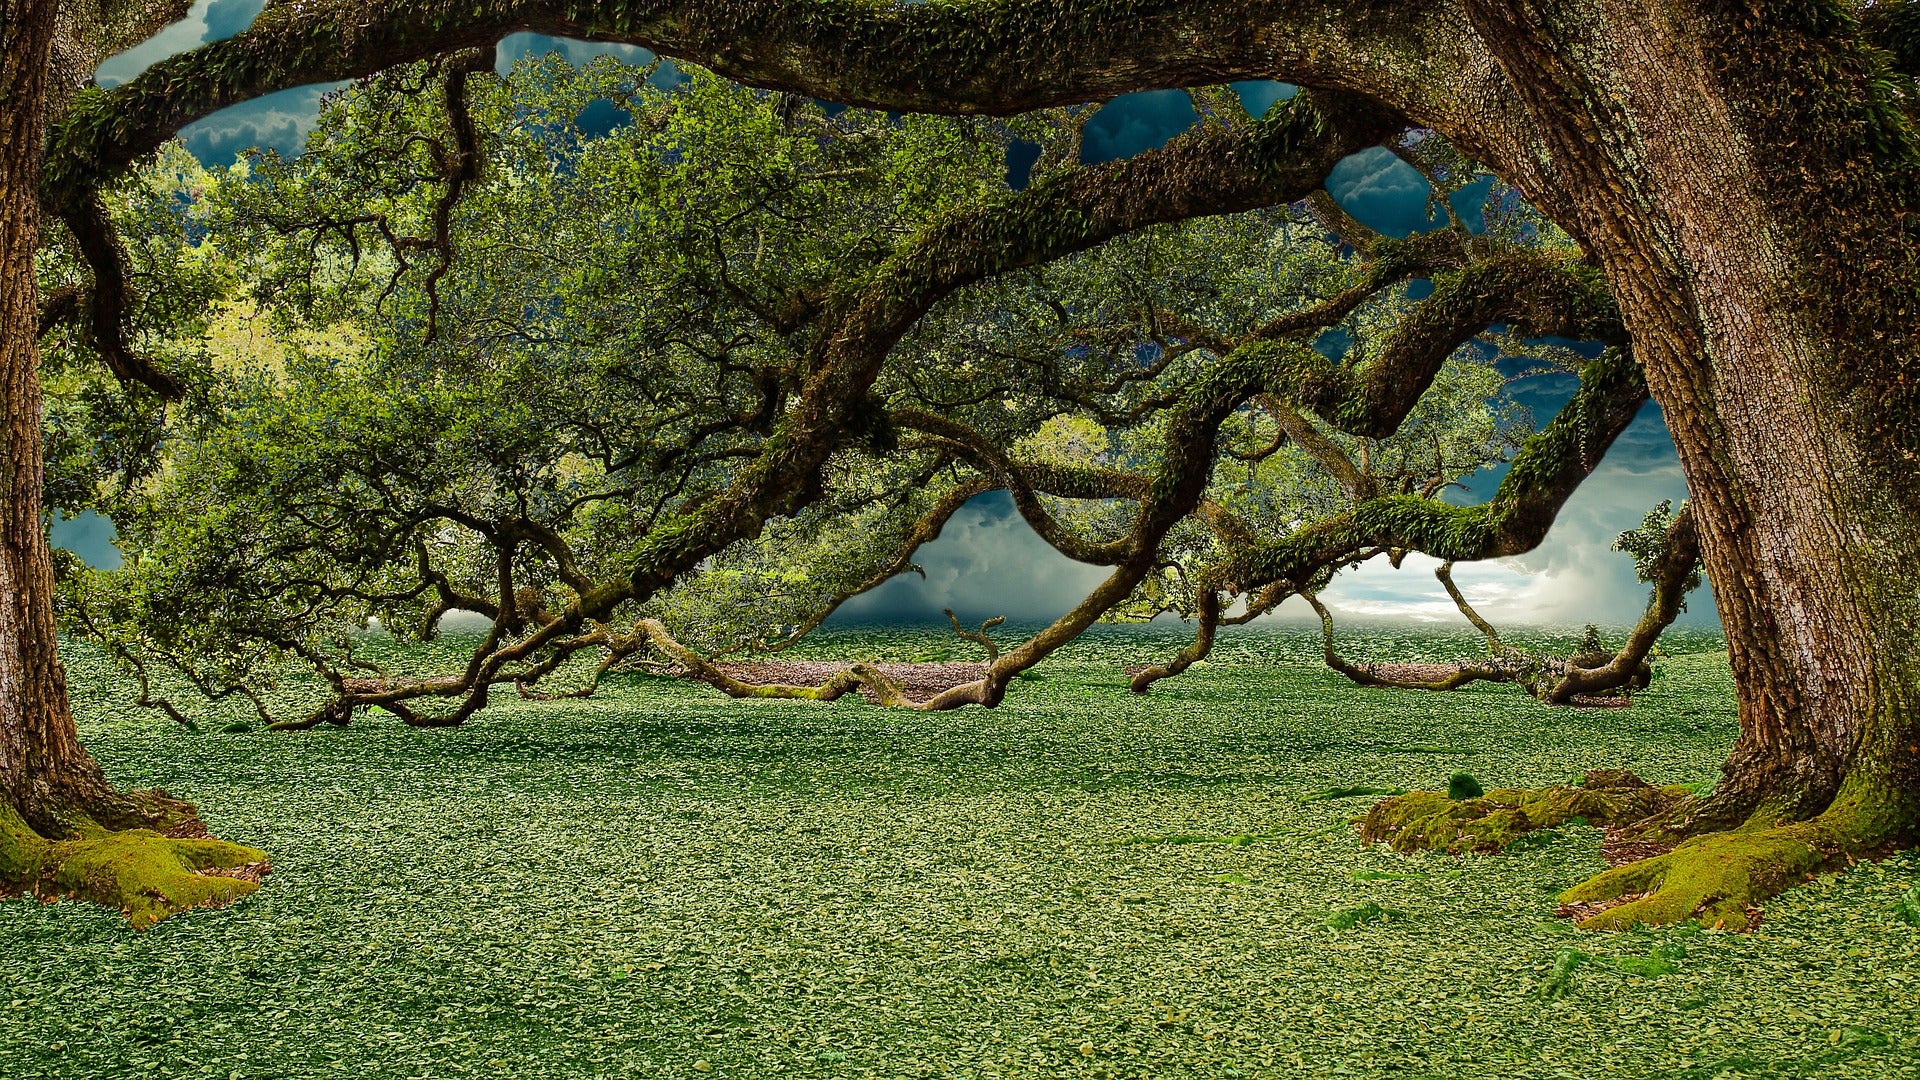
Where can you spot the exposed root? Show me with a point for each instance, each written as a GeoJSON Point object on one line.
{"type": "Point", "coordinates": [1721, 878]}
{"type": "Point", "coordinates": [1431, 821]}
{"type": "Point", "coordinates": [144, 874]}
{"type": "Point", "coordinates": [915, 681]}
{"type": "Point", "coordinates": [1718, 879]}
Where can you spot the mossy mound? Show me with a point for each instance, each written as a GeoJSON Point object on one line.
{"type": "Point", "coordinates": [141, 873]}
{"type": "Point", "coordinates": [1435, 821]}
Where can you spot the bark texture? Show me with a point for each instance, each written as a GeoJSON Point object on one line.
{"type": "Point", "coordinates": [1666, 147]}
{"type": "Point", "coordinates": [42, 764]}
{"type": "Point", "coordinates": [64, 831]}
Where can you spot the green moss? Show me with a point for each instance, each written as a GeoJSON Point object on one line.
{"type": "Point", "coordinates": [1560, 979]}
{"type": "Point", "coordinates": [1438, 821]}
{"type": "Point", "coordinates": [1651, 967]}
{"type": "Point", "coordinates": [148, 876]}
{"type": "Point", "coordinates": [1716, 879]}
{"type": "Point", "coordinates": [22, 852]}
{"type": "Point", "coordinates": [1908, 909]}
{"type": "Point", "coordinates": [1462, 785]}
{"type": "Point", "coordinates": [140, 873]}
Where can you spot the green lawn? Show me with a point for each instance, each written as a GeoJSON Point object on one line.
{"type": "Point", "coordinates": [661, 882]}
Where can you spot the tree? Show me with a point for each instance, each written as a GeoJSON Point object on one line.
{"type": "Point", "coordinates": [64, 830]}
{"type": "Point", "coordinates": [495, 434]}
{"type": "Point", "coordinates": [1761, 247]}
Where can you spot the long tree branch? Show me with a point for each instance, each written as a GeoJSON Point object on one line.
{"type": "Point", "coordinates": [979, 56]}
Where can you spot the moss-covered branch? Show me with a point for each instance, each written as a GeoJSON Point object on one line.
{"type": "Point", "coordinates": [1547, 470]}
{"type": "Point", "coordinates": [988, 56]}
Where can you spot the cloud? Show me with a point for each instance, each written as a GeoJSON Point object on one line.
{"type": "Point", "coordinates": [278, 121]}
{"type": "Point", "coordinates": [578, 53]}
{"type": "Point", "coordinates": [1573, 577]}
{"type": "Point", "coordinates": [1135, 122]}
{"type": "Point", "coordinates": [225, 18]}
{"type": "Point", "coordinates": [1381, 191]}
{"type": "Point", "coordinates": [986, 562]}
{"type": "Point", "coordinates": [175, 38]}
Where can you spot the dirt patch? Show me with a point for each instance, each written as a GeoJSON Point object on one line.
{"type": "Point", "coordinates": [252, 871]}
{"type": "Point", "coordinates": [1618, 850]}
{"type": "Point", "coordinates": [917, 681]}
{"type": "Point", "coordinates": [1588, 909]}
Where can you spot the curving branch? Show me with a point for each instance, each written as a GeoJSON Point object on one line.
{"type": "Point", "coordinates": [841, 684]}
{"type": "Point", "coordinates": [459, 167]}
{"type": "Point", "coordinates": [1444, 572]}
{"type": "Point", "coordinates": [925, 530]}
{"type": "Point", "coordinates": [1369, 675]}
{"type": "Point", "coordinates": [1675, 574]}
{"type": "Point", "coordinates": [979, 636]}
{"type": "Point", "coordinates": [1545, 473]}
{"type": "Point", "coordinates": [977, 56]}
{"type": "Point", "coordinates": [1209, 171]}
{"type": "Point", "coordinates": [99, 245]}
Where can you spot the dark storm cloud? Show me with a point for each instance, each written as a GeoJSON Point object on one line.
{"type": "Point", "coordinates": [1388, 195]}
{"type": "Point", "coordinates": [986, 563]}
{"type": "Point", "coordinates": [1135, 122]}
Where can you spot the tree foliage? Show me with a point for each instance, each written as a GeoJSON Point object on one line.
{"type": "Point", "coordinates": [489, 345]}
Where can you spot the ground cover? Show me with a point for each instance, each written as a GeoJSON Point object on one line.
{"type": "Point", "coordinates": [658, 881]}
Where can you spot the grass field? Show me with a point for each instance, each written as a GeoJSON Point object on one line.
{"type": "Point", "coordinates": [659, 882]}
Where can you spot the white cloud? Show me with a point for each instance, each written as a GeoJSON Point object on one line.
{"type": "Point", "coordinates": [174, 38]}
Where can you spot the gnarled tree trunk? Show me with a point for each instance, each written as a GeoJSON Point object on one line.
{"type": "Point", "coordinates": [42, 764]}
{"type": "Point", "coordinates": [1723, 172]}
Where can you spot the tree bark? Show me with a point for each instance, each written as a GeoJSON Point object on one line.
{"type": "Point", "coordinates": [43, 767]}
{"type": "Point", "coordinates": [64, 830]}
{"type": "Point", "coordinates": [1665, 140]}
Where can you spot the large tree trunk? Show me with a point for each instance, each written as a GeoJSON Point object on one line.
{"type": "Point", "coordinates": [43, 767]}
{"type": "Point", "coordinates": [1762, 254]}
{"type": "Point", "coordinates": [58, 814]}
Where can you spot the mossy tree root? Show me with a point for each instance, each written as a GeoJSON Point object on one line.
{"type": "Point", "coordinates": [1720, 879]}
{"type": "Point", "coordinates": [145, 874]}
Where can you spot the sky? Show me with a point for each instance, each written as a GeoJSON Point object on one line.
{"type": "Point", "coordinates": [987, 562]}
